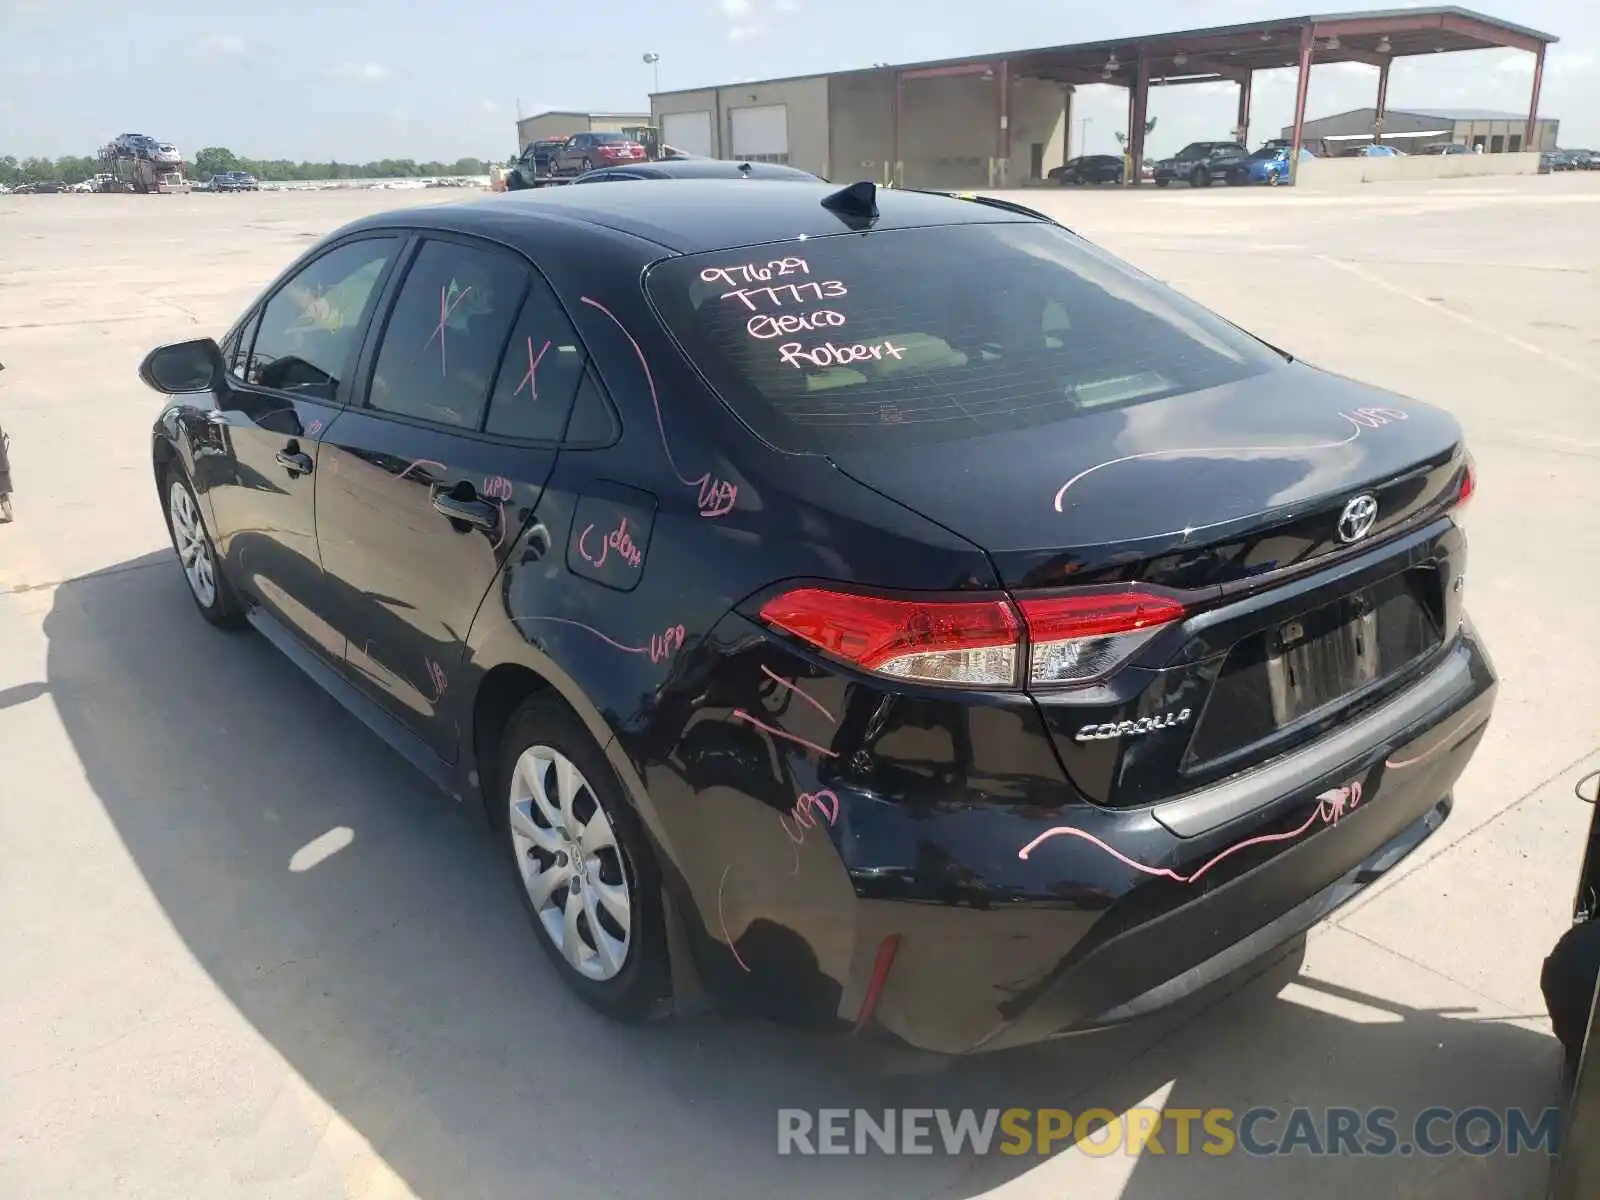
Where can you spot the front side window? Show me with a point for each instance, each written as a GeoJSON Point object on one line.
{"type": "Point", "coordinates": [899, 337]}
{"type": "Point", "coordinates": [446, 333]}
{"type": "Point", "coordinates": [311, 327]}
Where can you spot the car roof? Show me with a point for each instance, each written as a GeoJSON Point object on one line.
{"type": "Point", "coordinates": [699, 214]}
{"type": "Point", "coordinates": [701, 168]}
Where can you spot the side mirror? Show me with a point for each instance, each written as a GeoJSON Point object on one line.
{"type": "Point", "coordinates": [184, 367]}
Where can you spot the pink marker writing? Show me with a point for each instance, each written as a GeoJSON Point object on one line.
{"type": "Point", "coordinates": [801, 817]}
{"type": "Point", "coordinates": [447, 305]}
{"type": "Point", "coordinates": [665, 645]}
{"type": "Point", "coordinates": [764, 326]}
{"type": "Point", "coordinates": [717, 496]}
{"type": "Point", "coordinates": [528, 380]}
{"type": "Point", "coordinates": [830, 355]}
{"type": "Point", "coordinates": [618, 540]}
{"type": "Point", "coordinates": [791, 293]}
{"type": "Point", "coordinates": [497, 487]}
{"type": "Point", "coordinates": [1375, 418]}
{"type": "Point", "coordinates": [440, 683]}
{"type": "Point", "coordinates": [754, 272]}
{"type": "Point", "coordinates": [1331, 805]}
{"type": "Point", "coordinates": [313, 429]}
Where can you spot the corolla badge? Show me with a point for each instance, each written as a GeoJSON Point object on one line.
{"type": "Point", "coordinates": [1116, 729]}
{"type": "Point", "coordinates": [1359, 515]}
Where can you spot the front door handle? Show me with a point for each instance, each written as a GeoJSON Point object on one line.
{"type": "Point", "coordinates": [476, 513]}
{"type": "Point", "coordinates": [296, 463]}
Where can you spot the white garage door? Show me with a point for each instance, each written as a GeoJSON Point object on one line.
{"type": "Point", "coordinates": [688, 131]}
{"type": "Point", "coordinates": [761, 134]}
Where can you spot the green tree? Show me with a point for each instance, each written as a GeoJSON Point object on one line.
{"type": "Point", "coordinates": [214, 160]}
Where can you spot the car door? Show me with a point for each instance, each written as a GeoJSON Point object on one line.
{"type": "Point", "coordinates": [572, 153]}
{"type": "Point", "coordinates": [260, 483]}
{"type": "Point", "coordinates": [426, 487]}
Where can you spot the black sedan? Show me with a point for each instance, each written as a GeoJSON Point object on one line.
{"type": "Point", "coordinates": [825, 626]}
{"type": "Point", "coordinates": [1091, 168]}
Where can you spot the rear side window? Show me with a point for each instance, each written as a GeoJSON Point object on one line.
{"type": "Point", "coordinates": [540, 374]}
{"type": "Point", "coordinates": [447, 333]}
{"type": "Point", "coordinates": [921, 335]}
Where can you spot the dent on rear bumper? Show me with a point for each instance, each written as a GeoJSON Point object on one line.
{"type": "Point", "coordinates": [1132, 917]}
{"type": "Point", "coordinates": [787, 900]}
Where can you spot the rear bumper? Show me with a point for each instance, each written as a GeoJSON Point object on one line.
{"type": "Point", "coordinates": [1136, 909]}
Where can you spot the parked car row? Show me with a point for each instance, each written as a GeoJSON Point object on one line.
{"type": "Point", "coordinates": [568, 158]}
{"type": "Point", "coordinates": [229, 181]}
{"type": "Point", "coordinates": [1569, 160]}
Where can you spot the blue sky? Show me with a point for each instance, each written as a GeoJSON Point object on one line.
{"type": "Point", "coordinates": [443, 78]}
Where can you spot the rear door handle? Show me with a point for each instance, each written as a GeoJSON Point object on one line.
{"type": "Point", "coordinates": [469, 512]}
{"type": "Point", "coordinates": [298, 463]}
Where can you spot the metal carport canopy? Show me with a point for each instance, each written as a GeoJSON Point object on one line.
{"type": "Point", "coordinates": [1235, 52]}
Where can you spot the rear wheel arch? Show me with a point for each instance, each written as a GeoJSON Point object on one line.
{"type": "Point", "coordinates": [504, 690]}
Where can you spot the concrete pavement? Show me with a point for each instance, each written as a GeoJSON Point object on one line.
{"type": "Point", "coordinates": [249, 954]}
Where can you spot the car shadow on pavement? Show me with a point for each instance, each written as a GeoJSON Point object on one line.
{"type": "Point", "coordinates": [365, 926]}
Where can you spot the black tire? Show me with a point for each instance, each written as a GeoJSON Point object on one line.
{"type": "Point", "coordinates": [636, 990]}
{"type": "Point", "coordinates": [1162, 182]}
{"type": "Point", "coordinates": [224, 610]}
{"type": "Point", "coordinates": [587, 167]}
{"type": "Point", "coordinates": [1200, 178]}
{"type": "Point", "coordinates": [1077, 180]}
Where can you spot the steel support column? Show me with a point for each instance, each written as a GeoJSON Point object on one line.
{"type": "Point", "coordinates": [1242, 125]}
{"type": "Point", "coordinates": [1528, 142]}
{"type": "Point", "coordinates": [1302, 89]}
{"type": "Point", "coordinates": [1380, 114]}
{"type": "Point", "coordinates": [1066, 126]}
{"type": "Point", "coordinates": [1141, 105]}
{"type": "Point", "coordinates": [1130, 176]}
{"type": "Point", "coordinates": [1002, 80]}
{"type": "Point", "coordinates": [894, 136]}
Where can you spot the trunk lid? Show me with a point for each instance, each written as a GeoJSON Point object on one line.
{"type": "Point", "coordinates": [1234, 496]}
{"type": "Point", "coordinates": [1192, 491]}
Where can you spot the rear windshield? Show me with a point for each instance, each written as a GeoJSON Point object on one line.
{"type": "Point", "coordinates": [608, 139]}
{"type": "Point", "coordinates": [919, 335]}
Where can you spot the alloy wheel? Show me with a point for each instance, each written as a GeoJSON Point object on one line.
{"type": "Point", "coordinates": [193, 546]}
{"type": "Point", "coordinates": [570, 863]}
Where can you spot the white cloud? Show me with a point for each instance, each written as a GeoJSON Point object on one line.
{"type": "Point", "coordinates": [222, 43]}
{"type": "Point", "coordinates": [488, 106]}
{"type": "Point", "coordinates": [747, 20]}
{"type": "Point", "coordinates": [369, 71]}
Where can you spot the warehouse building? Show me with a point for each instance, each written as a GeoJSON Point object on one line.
{"type": "Point", "coordinates": [952, 131]}
{"type": "Point", "coordinates": [562, 124]}
{"type": "Point", "coordinates": [1003, 120]}
{"type": "Point", "coordinates": [1406, 129]}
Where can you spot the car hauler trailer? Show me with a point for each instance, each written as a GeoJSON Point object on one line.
{"type": "Point", "coordinates": [129, 173]}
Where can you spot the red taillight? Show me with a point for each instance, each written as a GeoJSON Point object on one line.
{"type": "Point", "coordinates": [1076, 638]}
{"type": "Point", "coordinates": [941, 641]}
{"type": "Point", "coordinates": [1469, 483]}
{"type": "Point", "coordinates": [1070, 639]}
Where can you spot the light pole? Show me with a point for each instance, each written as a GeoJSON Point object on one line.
{"type": "Point", "coordinates": [653, 61]}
